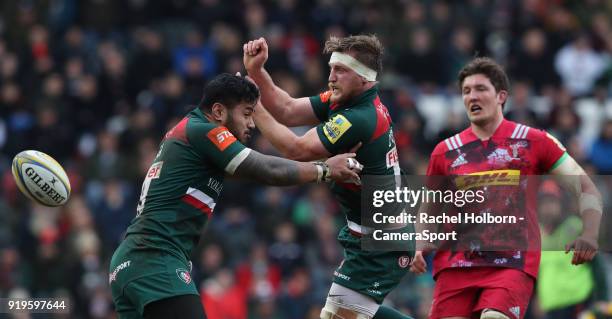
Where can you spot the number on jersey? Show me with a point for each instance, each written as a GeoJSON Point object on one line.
{"type": "Point", "coordinates": [153, 173]}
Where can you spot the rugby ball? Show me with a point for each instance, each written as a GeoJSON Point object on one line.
{"type": "Point", "coordinates": [41, 178]}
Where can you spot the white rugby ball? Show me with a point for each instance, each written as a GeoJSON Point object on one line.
{"type": "Point", "coordinates": [41, 178]}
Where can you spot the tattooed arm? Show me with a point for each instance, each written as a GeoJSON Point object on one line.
{"type": "Point", "coordinates": [278, 171]}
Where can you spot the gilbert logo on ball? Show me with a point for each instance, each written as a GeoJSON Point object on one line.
{"type": "Point", "coordinates": [41, 178]}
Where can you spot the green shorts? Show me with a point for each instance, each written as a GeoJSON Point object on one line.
{"type": "Point", "coordinates": [138, 277]}
{"type": "Point", "coordinates": [372, 273]}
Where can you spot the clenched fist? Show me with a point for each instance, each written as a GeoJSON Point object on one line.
{"type": "Point", "coordinates": [255, 54]}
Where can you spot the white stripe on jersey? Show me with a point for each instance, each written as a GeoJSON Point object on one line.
{"type": "Point", "coordinates": [448, 145]}
{"type": "Point", "coordinates": [520, 133]}
{"type": "Point", "coordinates": [453, 143]}
{"type": "Point", "coordinates": [363, 230]}
{"type": "Point", "coordinates": [525, 132]}
{"type": "Point", "coordinates": [237, 160]}
{"type": "Point", "coordinates": [516, 129]}
{"type": "Point", "coordinates": [458, 138]}
{"type": "Point", "coordinates": [202, 197]}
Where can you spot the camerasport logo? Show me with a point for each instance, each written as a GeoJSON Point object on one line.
{"type": "Point", "coordinates": [221, 137]}
{"type": "Point", "coordinates": [183, 275]}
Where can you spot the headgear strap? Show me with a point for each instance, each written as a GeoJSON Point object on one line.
{"type": "Point", "coordinates": [353, 64]}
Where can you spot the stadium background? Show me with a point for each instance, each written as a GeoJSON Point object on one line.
{"type": "Point", "coordinates": [95, 83]}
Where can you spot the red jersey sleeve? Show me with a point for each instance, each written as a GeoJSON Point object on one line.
{"type": "Point", "coordinates": [550, 152]}
{"type": "Point", "coordinates": [436, 161]}
{"type": "Point", "coordinates": [436, 167]}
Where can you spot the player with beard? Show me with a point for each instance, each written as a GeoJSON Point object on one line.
{"type": "Point", "coordinates": [490, 272]}
{"type": "Point", "coordinates": [349, 113]}
{"type": "Point", "coordinates": [150, 270]}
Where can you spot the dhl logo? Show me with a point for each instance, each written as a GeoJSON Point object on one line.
{"type": "Point", "coordinates": [505, 177]}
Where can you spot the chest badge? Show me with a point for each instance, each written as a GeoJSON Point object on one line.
{"type": "Point", "coordinates": [499, 157]}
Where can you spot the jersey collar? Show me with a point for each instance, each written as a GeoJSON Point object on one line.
{"type": "Point", "coordinates": [197, 112]}
{"type": "Point", "coordinates": [362, 98]}
{"type": "Point", "coordinates": [504, 129]}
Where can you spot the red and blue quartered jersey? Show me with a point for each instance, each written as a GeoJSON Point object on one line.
{"type": "Point", "coordinates": [499, 167]}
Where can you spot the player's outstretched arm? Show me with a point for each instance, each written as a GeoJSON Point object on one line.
{"type": "Point", "coordinates": [572, 177]}
{"type": "Point", "coordinates": [301, 148]}
{"type": "Point", "coordinates": [278, 171]}
{"type": "Point", "coordinates": [286, 109]}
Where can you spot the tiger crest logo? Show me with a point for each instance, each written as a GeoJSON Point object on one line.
{"type": "Point", "coordinates": [404, 261]}
{"type": "Point", "coordinates": [183, 275]}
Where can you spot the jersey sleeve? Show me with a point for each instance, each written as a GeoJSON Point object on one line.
{"type": "Point", "coordinates": [217, 145]}
{"type": "Point", "coordinates": [436, 169]}
{"type": "Point", "coordinates": [551, 153]}
{"type": "Point", "coordinates": [320, 105]}
{"type": "Point", "coordinates": [342, 131]}
{"type": "Point", "coordinates": [436, 161]}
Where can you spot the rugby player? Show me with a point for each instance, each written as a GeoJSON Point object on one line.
{"type": "Point", "coordinates": [491, 283]}
{"type": "Point", "coordinates": [349, 113]}
{"type": "Point", "coordinates": [150, 270]}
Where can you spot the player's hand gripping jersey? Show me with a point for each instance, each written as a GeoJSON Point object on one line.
{"type": "Point", "coordinates": [499, 167]}
{"type": "Point", "coordinates": [183, 184]}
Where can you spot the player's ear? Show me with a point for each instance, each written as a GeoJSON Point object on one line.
{"type": "Point", "coordinates": [219, 112]}
{"type": "Point", "coordinates": [502, 96]}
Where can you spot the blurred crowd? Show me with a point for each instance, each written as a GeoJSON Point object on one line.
{"type": "Point", "coordinates": [96, 83]}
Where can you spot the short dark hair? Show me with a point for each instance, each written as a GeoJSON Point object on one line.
{"type": "Point", "coordinates": [228, 90]}
{"type": "Point", "coordinates": [366, 48]}
{"type": "Point", "coordinates": [489, 68]}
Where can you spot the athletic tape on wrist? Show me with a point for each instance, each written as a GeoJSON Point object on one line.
{"type": "Point", "coordinates": [326, 172]}
{"type": "Point", "coordinates": [319, 172]}
{"type": "Point", "coordinates": [353, 64]}
{"type": "Point", "coordinates": [590, 201]}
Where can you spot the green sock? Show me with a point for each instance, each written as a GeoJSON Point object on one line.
{"type": "Point", "coordinates": [385, 312]}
